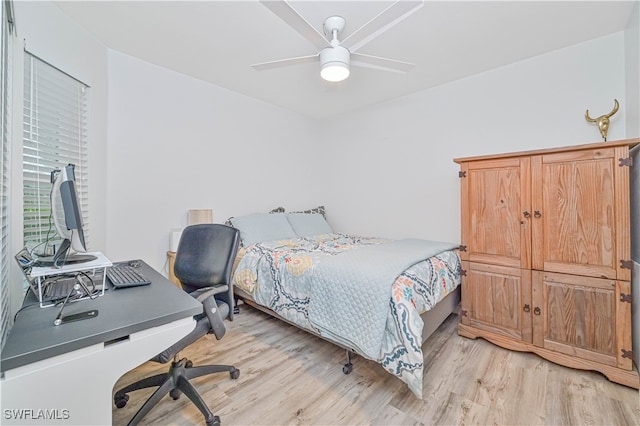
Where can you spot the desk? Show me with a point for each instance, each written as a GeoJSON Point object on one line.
{"type": "Point", "coordinates": [65, 374]}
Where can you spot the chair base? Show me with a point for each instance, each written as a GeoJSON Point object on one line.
{"type": "Point", "coordinates": [174, 383]}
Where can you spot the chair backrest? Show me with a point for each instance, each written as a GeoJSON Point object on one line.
{"type": "Point", "coordinates": [205, 255]}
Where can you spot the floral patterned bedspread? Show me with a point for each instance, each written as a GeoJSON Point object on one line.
{"type": "Point", "coordinates": [272, 273]}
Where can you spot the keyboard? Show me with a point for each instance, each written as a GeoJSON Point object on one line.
{"type": "Point", "coordinates": [125, 276]}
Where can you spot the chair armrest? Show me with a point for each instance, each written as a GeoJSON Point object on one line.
{"type": "Point", "coordinates": [206, 296]}
{"type": "Point", "coordinates": [222, 292]}
{"type": "Point", "coordinates": [201, 294]}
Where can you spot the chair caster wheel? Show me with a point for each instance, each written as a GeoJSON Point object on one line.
{"type": "Point", "coordinates": [120, 400]}
{"type": "Point", "coordinates": [214, 422]}
{"type": "Point", "coordinates": [235, 374]}
{"type": "Point", "coordinates": [174, 393]}
{"type": "Point", "coordinates": [348, 368]}
{"type": "Point", "coordinates": [188, 364]}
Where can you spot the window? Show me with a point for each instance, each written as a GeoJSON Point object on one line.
{"type": "Point", "coordinates": [5, 124]}
{"type": "Point", "coordinates": [54, 135]}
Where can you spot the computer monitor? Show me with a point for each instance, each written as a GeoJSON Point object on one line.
{"type": "Point", "coordinates": [67, 217]}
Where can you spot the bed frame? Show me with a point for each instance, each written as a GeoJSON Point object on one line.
{"type": "Point", "coordinates": [432, 318]}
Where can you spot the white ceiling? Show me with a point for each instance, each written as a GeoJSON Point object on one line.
{"type": "Point", "coordinates": [217, 41]}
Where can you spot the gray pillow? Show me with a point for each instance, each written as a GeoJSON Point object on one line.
{"type": "Point", "coordinates": [258, 227]}
{"type": "Point", "coordinates": [276, 210]}
{"type": "Point", "coordinates": [306, 225]}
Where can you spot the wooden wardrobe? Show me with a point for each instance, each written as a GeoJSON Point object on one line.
{"type": "Point", "coordinates": [546, 254]}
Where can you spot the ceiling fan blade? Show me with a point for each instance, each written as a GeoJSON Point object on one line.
{"type": "Point", "coordinates": [382, 22]}
{"type": "Point", "coordinates": [289, 15]}
{"type": "Point", "coordinates": [285, 62]}
{"type": "Point", "coordinates": [375, 62]}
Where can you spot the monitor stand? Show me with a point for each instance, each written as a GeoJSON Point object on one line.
{"type": "Point", "coordinates": [70, 259]}
{"type": "Point", "coordinates": [62, 257]}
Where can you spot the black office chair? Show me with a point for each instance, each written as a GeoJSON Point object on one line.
{"type": "Point", "coordinates": [203, 264]}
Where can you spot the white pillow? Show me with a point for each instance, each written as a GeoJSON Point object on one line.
{"type": "Point", "coordinates": [258, 227]}
{"type": "Point", "coordinates": [306, 225]}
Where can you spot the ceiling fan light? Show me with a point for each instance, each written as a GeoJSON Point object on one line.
{"type": "Point", "coordinates": [334, 71]}
{"type": "Point", "coordinates": [334, 63]}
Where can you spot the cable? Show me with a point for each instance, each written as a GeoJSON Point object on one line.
{"type": "Point", "coordinates": [58, 319]}
{"type": "Point", "coordinates": [49, 237]}
{"type": "Point", "coordinates": [94, 292]}
{"type": "Point", "coordinates": [23, 307]}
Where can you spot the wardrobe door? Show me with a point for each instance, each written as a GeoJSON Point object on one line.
{"type": "Point", "coordinates": [589, 318]}
{"type": "Point", "coordinates": [497, 299]}
{"type": "Point", "coordinates": [580, 213]}
{"type": "Point", "coordinates": [496, 212]}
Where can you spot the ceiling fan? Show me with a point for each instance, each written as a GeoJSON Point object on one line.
{"type": "Point", "coordinates": [336, 56]}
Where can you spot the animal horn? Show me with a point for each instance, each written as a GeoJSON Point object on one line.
{"type": "Point", "coordinates": [615, 108]}
{"type": "Point", "coordinates": [589, 119]}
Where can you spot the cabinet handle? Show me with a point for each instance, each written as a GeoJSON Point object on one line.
{"type": "Point", "coordinates": [527, 308]}
{"type": "Point", "coordinates": [536, 310]}
{"type": "Point", "coordinates": [537, 213]}
{"type": "Point", "coordinates": [526, 214]}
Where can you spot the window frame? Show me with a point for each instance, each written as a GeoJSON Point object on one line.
{"type": "Point", "coordinates": [7, 35]}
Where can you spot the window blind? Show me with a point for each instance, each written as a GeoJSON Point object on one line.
{"type": "Point", "coordinates": [54, 135]}
{"type": "Point", "coordinates": [5, 123]}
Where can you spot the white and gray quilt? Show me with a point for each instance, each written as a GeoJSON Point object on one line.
{"type": "Point", "coordinates": [365, 294]}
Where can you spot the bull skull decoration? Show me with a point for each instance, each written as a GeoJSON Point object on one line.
{"type": "Point", "coordinates": [603, 120]}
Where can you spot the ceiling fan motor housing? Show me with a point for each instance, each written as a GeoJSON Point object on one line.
{"type": "Point", "coordinates": [334, 54]}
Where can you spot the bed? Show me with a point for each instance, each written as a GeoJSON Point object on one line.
{"type": "Point", "coordinates": [375, 297]}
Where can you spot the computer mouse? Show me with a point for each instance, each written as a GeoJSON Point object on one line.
{"type": "Point", "coordinates": [134, 263]}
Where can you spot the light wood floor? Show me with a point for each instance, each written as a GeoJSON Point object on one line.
{"type": "Point", "coordinates": [291, 377]}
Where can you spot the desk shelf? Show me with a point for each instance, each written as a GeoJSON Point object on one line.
{"type": "Point", "coordinates": [41, 274]}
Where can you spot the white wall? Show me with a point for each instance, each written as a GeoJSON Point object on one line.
{"type": "Point", "coordinates": [386, 170]}
{"type": "Point", "coordinates": [396, 171]}
{"type": "Point", "coordinates": [177, 143]}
